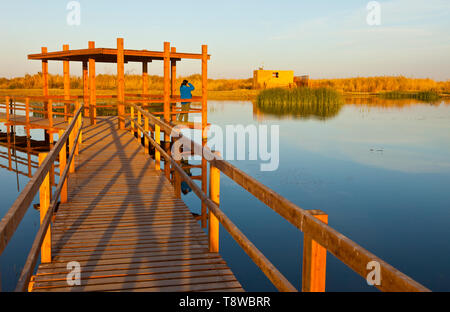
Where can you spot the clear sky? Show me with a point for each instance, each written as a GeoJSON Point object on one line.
{"type": "Point", "coordinates": [325, 39]}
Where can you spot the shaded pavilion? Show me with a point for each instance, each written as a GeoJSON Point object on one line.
{"type": "Point", "coordinates": [121, 56]}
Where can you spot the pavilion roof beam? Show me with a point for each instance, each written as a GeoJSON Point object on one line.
{"type": "Point", "coordinates": [110, 55]}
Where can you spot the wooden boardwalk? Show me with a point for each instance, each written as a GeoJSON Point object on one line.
{"type": "Point", "coordinates": [125, 227]}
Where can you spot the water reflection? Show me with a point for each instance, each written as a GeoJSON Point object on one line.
{"type": "Point", "coordinates": [324, 112]}
{"type": "Point", "coordinates": [19, 151]}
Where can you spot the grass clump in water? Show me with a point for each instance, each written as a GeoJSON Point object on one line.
{"type": "Point", "coordinates": [428, 96]}
{"type": "Point", "coordinates": [304, 102]}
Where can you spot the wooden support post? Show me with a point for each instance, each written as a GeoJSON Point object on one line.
{"type": "Point", "coordinates": [8, 140]}
{"type": "Point", "coordinates": [204, 180]}
{"type": "Point", "coordinates": [44, 200]}
{"type": "Point", "coordinates": [173, 82]}
{"type": "Point", "coordinates": [62, 166]}
{"type": "Point", "coordinates": [76, 128]}
{"type": "Point", "coordinates": [120, 82]}
{"type": "Point", "coordinates": [50, 140]}
{"type": "Point", "coordinates": [204, 124]}
{"type": "Point", "coordinates": [80, 124]}
{"type": "Point", "coordinates": [27, 112]}
{"type": "Point", "coordinates": [92, 88]}
{"type": "Point", "coordinates": [71, 143]}
{"type": "Point", "coordinates": [7, 108]}
{"type": "Point", "coordinates": [132, 127]}
{"type": "Point", "coordinates": [204, 90]}
{"type": "Point", "coordinates": [157, 153]}
{"type": "Point", "coordinates": [144, 78]}
{"type": "Point", "coordinates": [86, 89]}
{"type": "Point", "coordinates": [167, 105]}
{"type": "Point", "coordinates": [173, 73]}
{"type": "Point", "coordinates": [66, 71]}
{"type": "Point", "coordinates": [146, 142]}
{"type": "Point", "coordinates": [45, 80]}
{"type": "Point", "coordinates": [214, 194]}
{"type": "Point", "coordinates": [139, 122]}
{"type": "Point", "coordinates": [167, 81]}
{"type": "Point", "coordinates": [30, 174]}
{"type": "Point", "coordinates": [50, 116]}
{"type": "Point", "coordinates": [314, 260]}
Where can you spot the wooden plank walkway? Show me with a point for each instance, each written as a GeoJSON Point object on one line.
{"type": "Point", "coordinates": [125, 227]}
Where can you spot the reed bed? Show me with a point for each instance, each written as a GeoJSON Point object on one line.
{"type": "Point", "coordinates": [428, 96]}
{"type": "Point", "coordinates": [303, 102]}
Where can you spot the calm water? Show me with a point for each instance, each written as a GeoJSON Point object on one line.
{"type": "Point", "coordinates": [381, 170]}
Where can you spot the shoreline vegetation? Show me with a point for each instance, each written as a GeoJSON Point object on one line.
{"type": "Point", "coordinates": [396, 87]}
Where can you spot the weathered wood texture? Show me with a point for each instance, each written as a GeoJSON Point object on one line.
{"type": "Point", "coordinates": [125, 226]}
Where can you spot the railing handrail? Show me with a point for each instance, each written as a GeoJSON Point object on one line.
{"type": "Point", "coordinates": [28, 108]}
{"type": "Point", "coordinates": [350, 253]}
{"type": "Point", "coordinates": [12, 219]}
{"type": "Point", "coordinates": [31, 261]}
{"type": "Point", "coordinates": [275, 276]}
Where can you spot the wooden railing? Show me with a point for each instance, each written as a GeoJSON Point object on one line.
{"type": "Point", "coordinates": [46, 108]}
{"type": "Point", "coordinates": [318, 236]}
{"type": "Point", "coordinates": [48, 201]}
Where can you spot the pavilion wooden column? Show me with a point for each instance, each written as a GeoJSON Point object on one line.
{"type": "Point", "coordinates": [86, 89]}
{"type": "Point", "coordinates": [167, 104]}
{"type": "Point", "coordinates": [120, 83]}
{"type": "Point", "coordinates": [45, 80]}
{"type": "Point", "coordinates": [66, 70]}
{"type": "Point", "coordinates": [173, 81]}
{"type": "Point", "coordinates": [204, 130]}
{"type": "Point", "coordinates": [92, 88]}
{"type": "Point", "coordinates": [144, 78]}
{"type": "Point", "coordinates": [204, 90]}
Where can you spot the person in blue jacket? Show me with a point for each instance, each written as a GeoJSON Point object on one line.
{"type": "Point", "coordinates": [185, 93]}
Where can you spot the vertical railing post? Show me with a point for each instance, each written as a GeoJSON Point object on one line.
{"type": "Point", "coordinates": [76, 128]}
{"type": "Point", "coordinates": [62, 167]}
{"type": "Point", "coordinates": [50, 114]}
{"type": "Point", "coordinates": [132, 120]}
{"type": "Point", "coordinates": [80, 126]}
{"type": "Point", "coordinates": [85, 89]}
{"type": "Point", "coordinates": [214, 194]}
{"type": "Point", "coordinates": [71, 143]}
{"type": "Point", "coordinates": [44, 200]}
{"type": "Point", "coordinates": [27, 112]}
{"type": "Point", "coordinates": [158, 142]}
{"type": "Point", "coordinates": [177, 177]}
{"type": "Point", "coordinates": [314, 260]}
{"type": "Point", "coordinates": [139, 122]}
{"type": "Point", "coordinates": [146, 143]}
{"type": "Point", "coordinates": [7, 108]}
